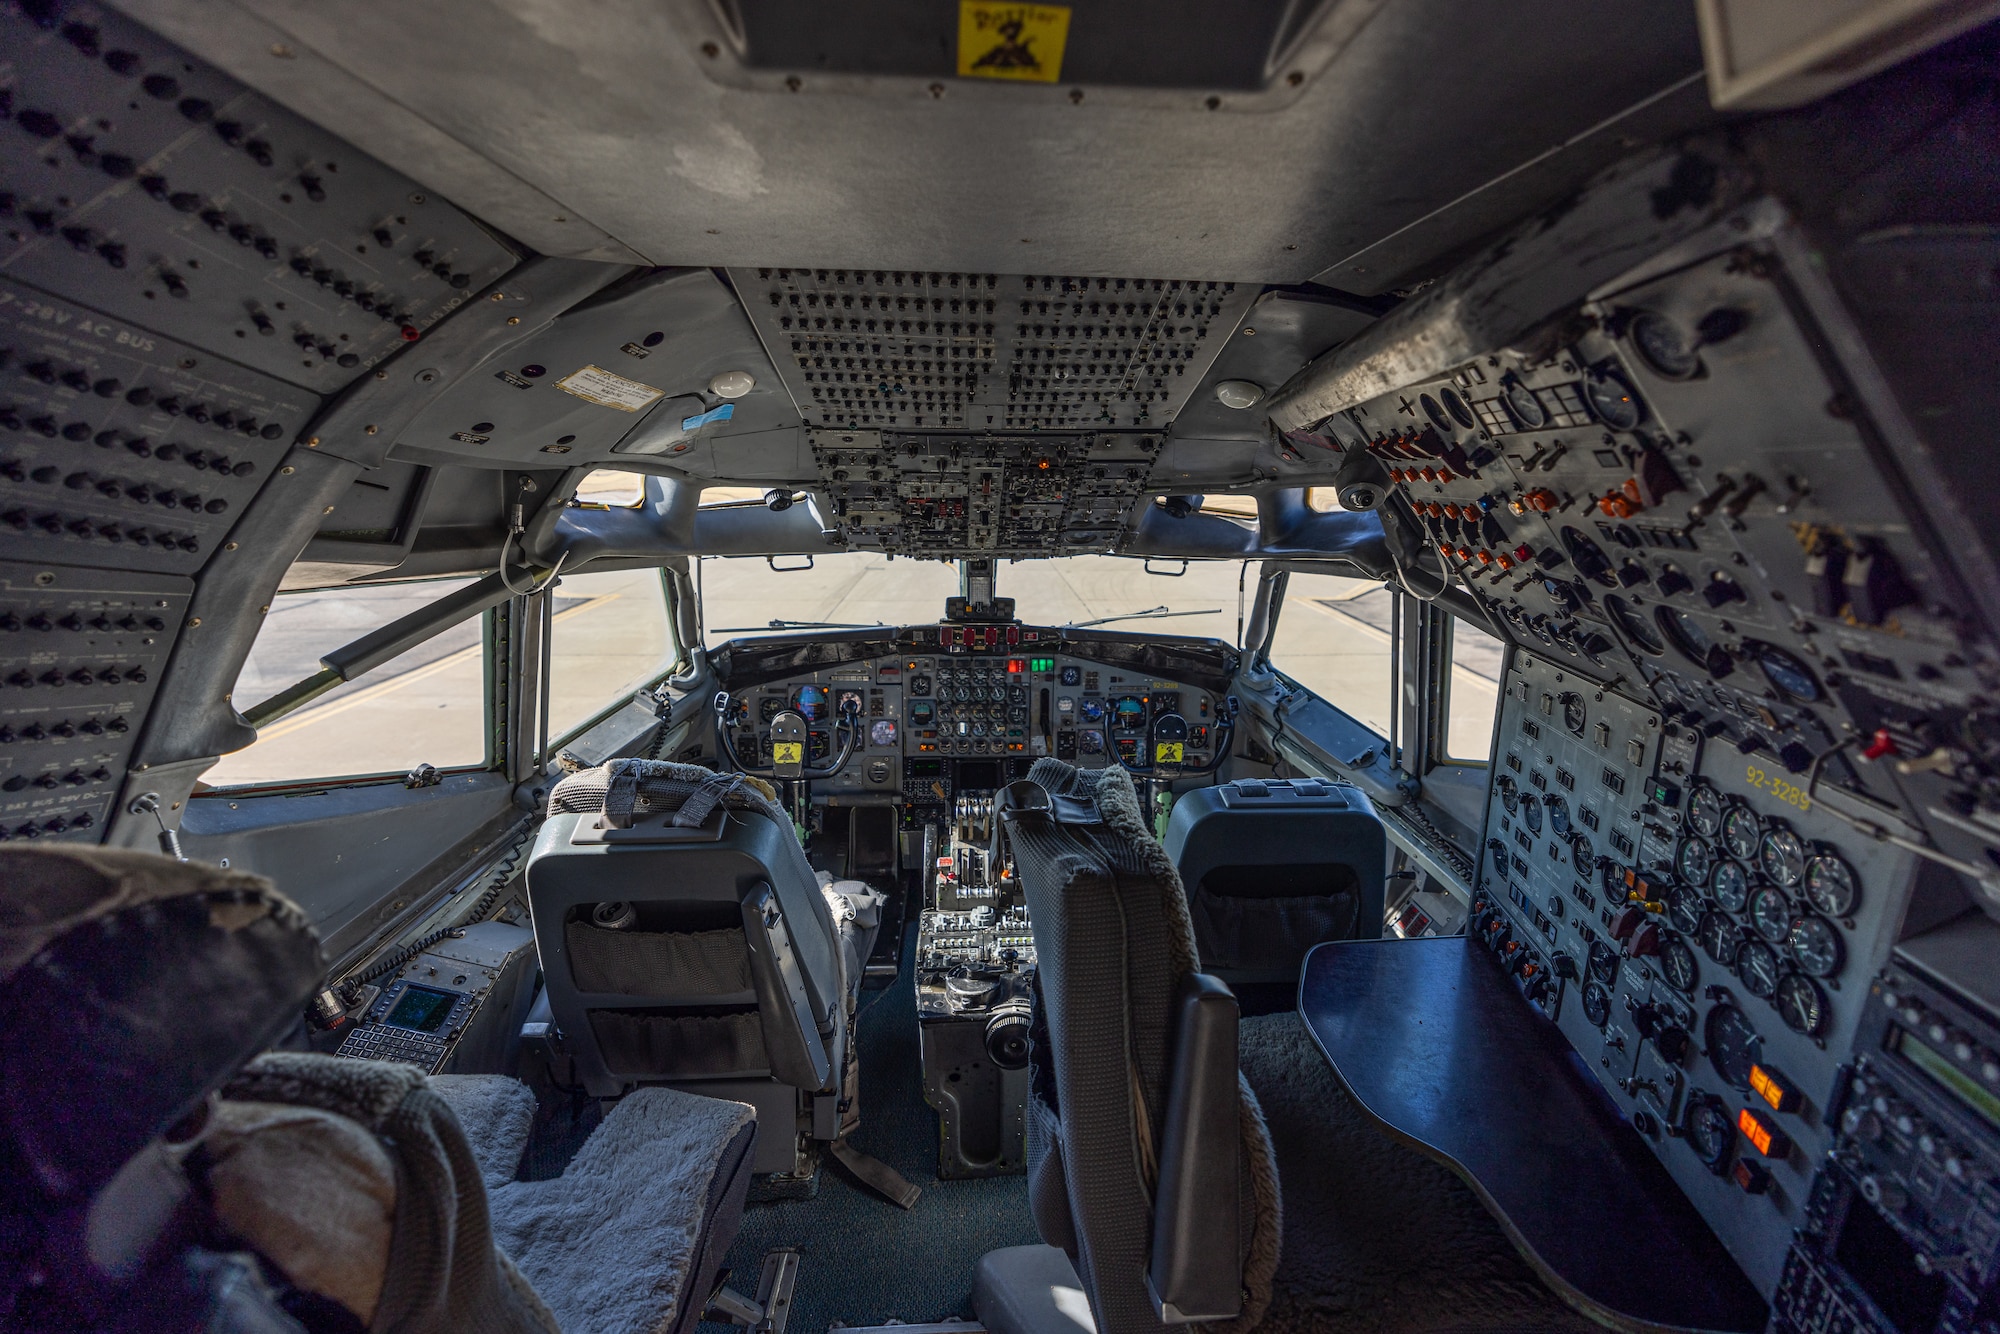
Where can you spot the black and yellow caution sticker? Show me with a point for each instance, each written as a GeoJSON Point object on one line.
{"type": "Point", "coordinates": [1168, 752]}
{"type": "Point", "coordinates": [788, 752]}
{"type": "Point", "coordinates": [997, 41]}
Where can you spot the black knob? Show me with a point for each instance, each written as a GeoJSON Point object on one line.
{"type": "Point", "coordinates": [1721, 591]}
{"type": "Point", "coordinates": [1672, 582]}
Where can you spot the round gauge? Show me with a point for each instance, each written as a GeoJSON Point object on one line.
{"type": "Point", "coordinates": [1757, 964]}
{"type": "Point", "coordinates": [1709, 1131]}
{"type": "Point", "coordinates": [1718, 937]}
{"type": "Point", "coordinates": [1694, 860]}
{"type": "Point", "coordinates": [1596, 1003]}
{"type": "Point", "coordinates": [1575, 715]}
{"type": "Point", "coordinates": [1705, 810]}
{"type": "Point", "coordinates": [1582, 850]}
{"type": "Point", "coordinates": [1435, 411]}
{"type": "Point", "coordinates": [1663, 347]}
{"type": "Point", "coordinates": [1128, 714]}
{"type": "Point", "coordinates": [1783, 856]}
{"type": "Point", "coordinates": [1788, 674]}
{"type": "Point", "coordinates": [1092, 710]}
{"type": "Point", "coordinates": [1801, 1004]}
{"type": "Point", "coordinates": [1510, 796]}
{"type": "Point", "coordinates": [1741, 832]}
{"type": "Point", "coordinates": [1685, 633]}
{"type": "Point", "coordinates": [1831, 885]}
{"type": "Point", "coordinates": [1456, 407]}
{"type": "Point", "coordinates": [1531, 812]}
{"type": "Point", "coordinates": [811, 703]}
{"type": "Point", "coordinates": [769, 707]}
{"type": "Point", "coordinates": [1677, 963]}
{"type": "Point", "coordinates": [1733, 1044]}
{"type": "Point", "coordinates": [1684, 909]}
{"type": "Point", "coordinates": [853, 698]}
{"type": "Point", "coordinates": [1731, 885]}
{"type": "Point", "coordinates": [1771, 914]}
{"type": "Point", "coordinates": [1634, 626]}
{"type": "Point", "coordinates": [1090, 741]}
{"type": "Point", "coordinates": [1612, 400]}
{"type": "Point", "coordinates": [1603, 963]}
{"type": "Point", "coordinates": [1522, 405]}
{"type": "Point", "coordinates": [1558, 816]}
{"type": "Point", "coordinates": [1816, 946]}
{"type": "Point", "coordinates": [882, 732]}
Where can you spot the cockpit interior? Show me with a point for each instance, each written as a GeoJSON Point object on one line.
{"type": "Point", "coordinates": [1297, 667]}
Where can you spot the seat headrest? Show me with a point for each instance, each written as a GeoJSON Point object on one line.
{"type": "Point", "coordinates": [132, 986]}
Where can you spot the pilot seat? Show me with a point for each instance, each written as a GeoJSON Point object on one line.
{"type": "Point", "coordinates": [686, 941]}
{"type": "Point", "coordinates": [1151, 1175]}
{"type": "Point", "coordinates": [152, 1181]}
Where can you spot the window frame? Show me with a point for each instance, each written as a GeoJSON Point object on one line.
{"type": "Point", "coordinates": [492, 636]}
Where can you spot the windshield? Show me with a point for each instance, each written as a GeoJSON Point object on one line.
{"type": "Point", "coordinates": [743, 596]}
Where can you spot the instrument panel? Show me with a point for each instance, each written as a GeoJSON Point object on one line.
{"type": "Point", "coordinates": [918, 709]}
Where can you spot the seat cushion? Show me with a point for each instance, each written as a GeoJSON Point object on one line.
{"type": "Point", "coordinates": [612, 1243]}
{"type": "Point", "coordinates": [496, 1113]}
{"type": "Point", "coordinates": [1030, 1290]}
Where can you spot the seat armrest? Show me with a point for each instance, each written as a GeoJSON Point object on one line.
{"type": "Point", "coordinates": [1196, 1269]}
{"type": "Point", "coordinates": [797, 1053]}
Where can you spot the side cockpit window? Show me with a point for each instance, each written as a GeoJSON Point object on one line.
{"type": "Point", "coordinates": [609, 636]}
{"type": "Point", "coordinates": [1337, 638]}
{"type": "Point", "coordinates": [427, 705]}
{"type": "Point", "coordinates": [1472, 692]}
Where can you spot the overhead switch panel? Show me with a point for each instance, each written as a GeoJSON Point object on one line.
{"type": "Point", "coordinates": [876, 349]}
{"type": "Point", "coordinates": [156, 189]}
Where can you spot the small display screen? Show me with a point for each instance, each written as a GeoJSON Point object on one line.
{"type": "Point", "coordinates": [812, 703]}
{"type": "Point", "coordinates": [882, 732]}
{"type": "Point", "coordinates": [978, 775]}
{"type": "Point", "coordinates": [1934, 1064]}
{"type": "Point", "coordinates": [925, 768]}
{"type": "Point", "coordinates": [421, 1009]}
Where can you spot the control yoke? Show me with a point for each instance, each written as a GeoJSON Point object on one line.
{"type": "Point", "coordinates": [789, 740]}
{"type": "Point", "coordinates": [1166, 745]}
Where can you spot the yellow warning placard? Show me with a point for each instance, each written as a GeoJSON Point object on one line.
{"type": "Point", "coordinates": [997, 41]}
{"type": "Point", "coordinates": [1168, 752]}
{"type": "Point", "coordinates": [788, 752]}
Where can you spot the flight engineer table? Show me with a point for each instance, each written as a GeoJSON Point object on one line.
{"type": "Point", "coordinates": [1435, 1044]}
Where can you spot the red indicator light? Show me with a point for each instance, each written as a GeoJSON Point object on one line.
{"type": "Point", "coordinates": [1017, 664]}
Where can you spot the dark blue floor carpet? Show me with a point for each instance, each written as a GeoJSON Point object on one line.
{"type": "Point", "coordinates": [866, 1261]}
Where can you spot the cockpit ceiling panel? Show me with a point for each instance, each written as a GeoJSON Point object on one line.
{"type": "Point", "coordinates": [606, 129]}
{"type": "Point", "coordinates": [889, 349]}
